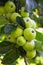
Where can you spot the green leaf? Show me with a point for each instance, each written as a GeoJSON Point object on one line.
{"type": "Point", "coordinates": [39, 46]}
{"type": "Point", "coordinates": [9, 28]}
{"type": "Point", "coordinates": [39, 36]}
{"type": "Point", "coordinates": [41, 1]}
{"type": "Point", "coordinates": [3, 21]}
{"type": "Point", "coordinates": [5, 47]}
{"type": "Point", "coordinates": [11, 56]}
{"type": "Point", "coordinates": [20, 21]}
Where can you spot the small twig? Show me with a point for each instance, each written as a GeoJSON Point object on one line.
{"type": "Point", "coordinates": [25, 60]}
{"type": "Point", "coordinates": [23, 53]}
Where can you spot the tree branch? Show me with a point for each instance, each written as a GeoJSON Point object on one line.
{"type": "Point", "coordinates": [25, 60]}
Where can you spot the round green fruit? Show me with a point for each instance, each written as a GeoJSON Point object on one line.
{"type": "Point", "coordinates": [29, 22]}
{"type": "Point", "coordinates": [13, 17]}
{"type": "Point", "coordinates": [21, 41]}
{"type": "Point", "coordinates": [10, 7]}
{"type": "Point", "coordinates": [31, 54]}
{"type": "Point", "coordinates": [24, 13]}
{"type": "Point", "coordinates": [29, 34]}
{"type": "Point", "coordinates": [10, 38]}
{"type": "Point", "coordinates": [18, 32]}
{"type": "Point", "coordinates": [29, 46]}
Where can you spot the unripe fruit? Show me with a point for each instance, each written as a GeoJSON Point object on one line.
{"type": "Point", "coordinates": [21, 41]}
{"type": "Point", "coordinates": [29, 46]}
{"type": "Point", "coordinates": [10, 7]}
{"type": "Point", "coordinates": [31, 54]}
{"type": "Point", "coordinates": [18, 32]}
{"type": "Point", "coordinates": [13, 17]}
{"type": "Point", "coordinates": [24, 13]}
{"type": "Point", "coordinates": [29, 22]}
{"type": "Point", "coordinates": [10, 38]}
{"type": "Point", "coordinates": [29, 34]}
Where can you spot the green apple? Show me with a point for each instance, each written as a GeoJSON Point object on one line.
{"type": "Point", "coordinates": [10, 6]}
{"type": "Point", "coordinates": [29, 22]}
{"type": "Point", "coordinates": [29, 34]}
{"type": "Point", "coordinates": [31, 54]}
{"type": "Point", "coordinates": [29, 46]}
{"type": "Point", "coordinates": [24, 13]}
{"type": "Point", "coordinates": [10, 38]}
{"type": "Point", "coordinates": [2, 10]}
{"type": "Point", "coordinates": [13, 16]}
{"type": "Point", "coordinates": [21, 41]}
{"type": "Point", "coordinates": [18, 32]}
{"type": "Point", "coordinates": [32, 64]}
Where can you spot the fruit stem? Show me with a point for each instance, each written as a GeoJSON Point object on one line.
{"type": "Point", "coordinates": [25, 60]}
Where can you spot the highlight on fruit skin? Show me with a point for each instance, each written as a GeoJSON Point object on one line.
{"type": "Point", "coordinates": [9, 6]}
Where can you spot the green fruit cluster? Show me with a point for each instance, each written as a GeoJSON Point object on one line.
{"type": "Point", "coordinates": [22, 36]}
{"type": "Point", "coordinates": [7, 8]}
